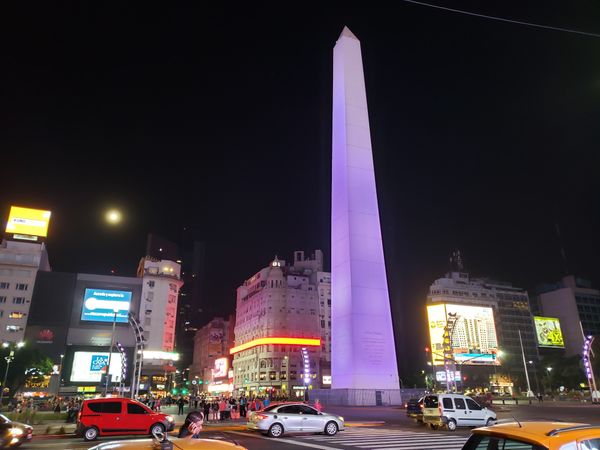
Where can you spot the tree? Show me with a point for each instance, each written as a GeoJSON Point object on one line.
{"type": "Point", "coordinates": [27, 362]}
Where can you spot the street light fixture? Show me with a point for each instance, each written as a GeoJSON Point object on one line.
{"type": "Point", "coordinates": [9, 359]}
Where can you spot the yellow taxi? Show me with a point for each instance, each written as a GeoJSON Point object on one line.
{"type": "Point", "coordinates": [535, 436]}
{"type": "Point", "coordinates": [165, 443]}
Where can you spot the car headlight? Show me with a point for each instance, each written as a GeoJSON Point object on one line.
{"type": "Point", "coordinates": [169, 418]}
{"type": "Point", "coordinates": [16, 431]}
{"type": "Point", "coordinates": [341, 418]}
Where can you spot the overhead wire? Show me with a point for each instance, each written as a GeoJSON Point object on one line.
{"type": "Point", "coordinates": [502, 19]}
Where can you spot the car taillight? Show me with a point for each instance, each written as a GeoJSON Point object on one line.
{"type": "Point", "coordinates": [261, 416]}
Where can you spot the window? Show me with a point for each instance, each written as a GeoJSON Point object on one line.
{"type": "Point", "coordinates": [459, 403]}
{"type": "Point", "coordinates": [111, 407]}
{"type": "Point", "coordinates": [590, 444]}
{"type": "Point", "coordinates": [21, 287]}
{"type": "Point", "coordinates": [95, 407]}
{"type": "Point", "coordinates": [2, 299]}
{"type": "Point", "coordinates": [15, 315]}
{"type": "Point", "coordinates": [18, 300]}
{"type": "Point", "coordinates": [431, 401]}
{"type": "Point", "coordinates": [473, 406]}
{"type": "Point", "coordinates": [479, 442]}
{"type": "Point", "coordinates": [151, 283]}
{"type": "Point", "coordinates": [291, 409]}
{"type": "Point", "coordinates": [308, 410]}
{"type": "Point", "coordinates": [4, 285]}
{"type": "Point", "coordinates": [447, 402]}
{"type": "Point", "coordinates": [13, 328]}
{"type": "Point", "coordinates": [133, 408]}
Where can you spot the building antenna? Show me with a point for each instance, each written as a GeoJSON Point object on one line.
{"type": "Point", "coordinates": [456, 261]}
{"type": "Point", "coordinates": [563, 254]}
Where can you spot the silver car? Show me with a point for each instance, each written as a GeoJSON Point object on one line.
{"type": "Point", "coordinates": [292, 418]}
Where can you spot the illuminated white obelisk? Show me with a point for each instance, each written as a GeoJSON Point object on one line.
{"type": "Point", "coordinates": [363, 354]}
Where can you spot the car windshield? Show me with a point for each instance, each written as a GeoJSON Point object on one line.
{"type": "Point", "coordinates": [271, 407]}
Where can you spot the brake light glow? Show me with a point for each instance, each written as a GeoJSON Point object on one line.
{"type": "Point", "coordinates": [261, 416]}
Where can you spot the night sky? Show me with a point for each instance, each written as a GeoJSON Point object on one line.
{"type": "Point", "coordinates": [485, 136]}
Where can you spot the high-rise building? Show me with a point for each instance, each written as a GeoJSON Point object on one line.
{"type": "Point", "coordinates": [490, 340]}
{"type": "Point", "coordinates": [211, 343]}
{"type": "Point", "coordinates": [19, 265]}
{"type": "Point", "coordinates": [577, 305]}
{"type": "Point", "coordinates": [158, 312]}
{"type": "Point", "coordinates": [278, 328]}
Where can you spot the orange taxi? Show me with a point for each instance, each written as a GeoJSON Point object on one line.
{"type": "Point", "coordinates": [535, 436]}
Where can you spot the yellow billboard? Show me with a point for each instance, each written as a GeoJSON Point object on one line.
{"type": "Point", "coordinates": [473, 338]}
{"type": "Point", "coordinates": [547, 330]}
{"type": "Point", "coordinates": [436, 315]}
{"type": "Point", "coordinates": [28, 221]}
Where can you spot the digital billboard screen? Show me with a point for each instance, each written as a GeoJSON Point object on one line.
{"type": "Point", "coordinates": [548, 332]}
{"type": "Point", "coordinates": [221, 366]}
{"type": "Point", "coordinates": [28, 221]}
{"type": "Point", "coordinates": [88, 367]}
{"type": "Point", "coordinates": [99, 305]}
{"type": "Point", "coordinates": [474, 340]}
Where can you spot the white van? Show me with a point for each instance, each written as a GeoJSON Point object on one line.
{"type": "Point", "coordinates": [455, 410]}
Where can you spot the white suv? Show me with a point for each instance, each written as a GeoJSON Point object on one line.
{"type": "Point", "coordinates": [455, 410]}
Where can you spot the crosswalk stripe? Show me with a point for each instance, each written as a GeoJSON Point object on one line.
{"type": "Point", "coordinates": [386, 439]}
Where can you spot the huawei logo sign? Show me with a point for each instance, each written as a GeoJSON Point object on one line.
{"type": "Point", "coordinates": [46, 335]}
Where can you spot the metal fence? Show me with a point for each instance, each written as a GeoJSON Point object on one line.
{"type": "Point", "coordinates": [364, 397]}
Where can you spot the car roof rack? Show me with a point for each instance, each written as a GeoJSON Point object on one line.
{"type": "Point", "coordinates": [575, 428]}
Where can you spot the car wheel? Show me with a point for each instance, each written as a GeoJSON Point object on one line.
{"type": "Point", "coordinates": [90, 434]}
{"type": "Point", "coordinates": [490, 422]}
{"type": "Point", "coordinates": [451, 425]}
{"type": "Point", "coordinates": [157, 428]}
{"type": "Point", "coordinates": [276, 430]}
{"type": "Point", "coordinates": [331, 429]}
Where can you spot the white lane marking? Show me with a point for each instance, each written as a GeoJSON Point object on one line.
{"type": "Point", "coordinates": [285, 441]}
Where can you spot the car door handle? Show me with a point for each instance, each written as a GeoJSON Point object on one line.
{"type": "Point", "coordinates": [305, 418]}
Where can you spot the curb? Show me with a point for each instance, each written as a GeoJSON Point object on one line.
{"type": "Point", "coordinates": [53, 436]}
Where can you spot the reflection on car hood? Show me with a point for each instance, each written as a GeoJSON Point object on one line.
{"type": "Point", "coordinates": [178, 444]}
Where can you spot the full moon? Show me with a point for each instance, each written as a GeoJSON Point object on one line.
{"type": "Point", "coordinates": [113, 216]}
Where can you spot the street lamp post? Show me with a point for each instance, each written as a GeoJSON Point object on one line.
{"type": "Point", "coordinates": [112, 343]}
{"type": "Point", "coordinates": [59, 375]}
{"type": "Point", "coordinates": [537, 383]}
{"type": "Point", "coordinates": [549, 369]}
{"type": "Point", "coordinates": [9, 358]}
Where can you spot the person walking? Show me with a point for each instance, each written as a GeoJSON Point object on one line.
{"type": "Point", "coordinates": [180, 403]}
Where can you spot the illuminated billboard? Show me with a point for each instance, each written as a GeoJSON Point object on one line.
{"type": "Point", "coordinates": [88, 367]}
{"type": "Point", "coordinates": [99, 305]}
{"type": "Point", "coordinates": [474, 339]}
{"type": "Point", "coordinates": [221, 366]}
{"type": "Point", "coordinates": [28, 222]}
{"type": "Point", "coordinates": [547, 330]}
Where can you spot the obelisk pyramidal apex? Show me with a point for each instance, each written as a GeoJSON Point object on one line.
{"type": "Point", "coordinates": [363, 354]}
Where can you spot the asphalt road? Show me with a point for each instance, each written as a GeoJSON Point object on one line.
{"type": "Point", "coordinates": [383, 428]}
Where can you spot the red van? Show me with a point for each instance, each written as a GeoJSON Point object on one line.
{"type": "Point", "coordinates": [118, 416]}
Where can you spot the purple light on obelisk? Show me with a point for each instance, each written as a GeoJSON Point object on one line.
{"type": "Point", "coordinates": [363, 354]}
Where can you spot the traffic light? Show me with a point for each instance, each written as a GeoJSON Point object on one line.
{"type": "Point", "coordinates": [200, 381]}
{"type": "Point", "coordinates": [174, 391]}
{"type": "Point", "coordinates": [184, 391]}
